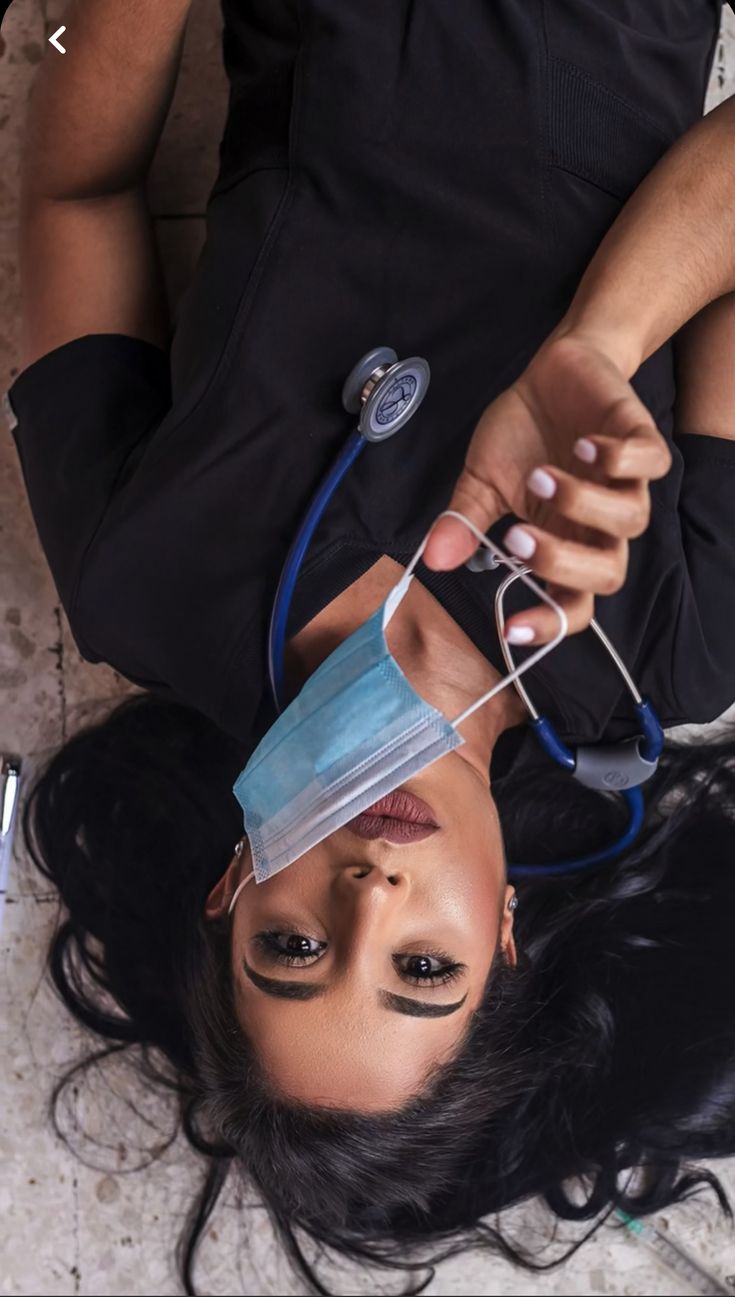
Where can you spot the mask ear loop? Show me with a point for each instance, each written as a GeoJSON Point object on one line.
{"type": "Point", "coordinates": [521, 572]}
{"type": "Point", "coordinates": [238, 852]}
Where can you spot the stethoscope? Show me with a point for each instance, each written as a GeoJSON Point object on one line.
{"type": "Point", "coordinates": [386, 393]}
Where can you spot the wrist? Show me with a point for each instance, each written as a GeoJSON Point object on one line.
{"type": "Point", "coordinates": [618, 343]}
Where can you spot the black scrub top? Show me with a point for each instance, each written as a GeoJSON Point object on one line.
{"type": "Point", "coordinates": [434, 177]}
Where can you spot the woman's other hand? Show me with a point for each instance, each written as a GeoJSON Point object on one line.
{"type": "Point", "coordinates": [570, 449]}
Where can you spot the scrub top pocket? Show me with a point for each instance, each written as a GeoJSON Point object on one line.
{"type": "Point", "coordinates": [596, 135]}
{"type": "Point", "coordinates": [621, 83]}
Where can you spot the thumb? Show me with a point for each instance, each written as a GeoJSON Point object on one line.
{"type": "Point", "coordinates": [450, 543]}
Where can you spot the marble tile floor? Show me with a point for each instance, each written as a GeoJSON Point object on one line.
{"type": "Point", "coordinates": [94, 1224]}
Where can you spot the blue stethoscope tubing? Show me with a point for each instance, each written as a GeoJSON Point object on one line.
{"type": "Point", "coordinates": [386, 393]}
{"type": "Point", "coordinates": [611, 768]}
{"type": "Point", "coordinates": [633, 798]}
{"type": "Point", "coordinates": [353, 447]}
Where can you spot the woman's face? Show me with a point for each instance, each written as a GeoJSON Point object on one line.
{"type": "Point", "coordinates": [357, 968]}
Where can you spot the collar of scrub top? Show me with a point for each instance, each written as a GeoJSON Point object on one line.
{"type": "Point", "coordinates": [608, 767]}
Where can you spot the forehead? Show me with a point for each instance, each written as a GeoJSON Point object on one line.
{"type": "Point", "coordinates": [326, 1052]}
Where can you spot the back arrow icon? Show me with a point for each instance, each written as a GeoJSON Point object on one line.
{"type": "Point", "coordinates": [54, 40]}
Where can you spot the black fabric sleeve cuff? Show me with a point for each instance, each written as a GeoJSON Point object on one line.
{"type": "Point", "coordinates": [77, 414]}
{"type": "Point", "coordinates": [699, 449]}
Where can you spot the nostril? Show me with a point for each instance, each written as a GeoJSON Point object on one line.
{"type": "Point", "coordinates": [362, 872]}
{"type": "Point", "coordinates": [393, 880]}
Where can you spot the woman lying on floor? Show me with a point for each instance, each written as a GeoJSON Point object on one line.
{"type": "Point", "coordinates": [372, 1031]}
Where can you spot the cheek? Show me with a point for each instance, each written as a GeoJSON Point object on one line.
{"type": "Point", "coordinates": [462, 895]}
{"type": "Point", "coordinates": [468, 885]}
{"type": "Point", "coordinates": [471, 895]}
{"type": "Point", "coordinates": [479, 913]}
{"type": "Point", "coordinates": [301, 881]}
{"type": "Point", "coordinates": [477, 846]}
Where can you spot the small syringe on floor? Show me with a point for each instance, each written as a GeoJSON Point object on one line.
{"type": "Point", "coordinates": [680, 1262]}
{"type": "Point", "coordinates": [9, 789]}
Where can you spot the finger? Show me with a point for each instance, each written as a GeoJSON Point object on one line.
{"type": "Point", "coordinates": [598, 569]}
{"type": "Point", "coordinates": [622, 510]}
{"type": "Point", "coordinates": [642, 454]}
{"type": "Point", "coordinates": [540, 624]}
{"type": "Point", "coordinates": [450, 541]}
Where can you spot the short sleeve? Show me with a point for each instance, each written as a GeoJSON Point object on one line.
{"type": "Point", "coordinates": [77, 416]}
{"type": "Point", "coordinates": [704, 655]}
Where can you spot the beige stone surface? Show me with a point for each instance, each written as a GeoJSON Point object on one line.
{"type": "Point", "coordinates": [722, 80]}
{"type": "Point", "coordinates": [96, 1226]}
{"type": "Point", "coordinates": [22, 49]}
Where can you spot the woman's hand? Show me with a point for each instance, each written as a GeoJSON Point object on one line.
{"type": "Point", "coordinates": [571, 449]}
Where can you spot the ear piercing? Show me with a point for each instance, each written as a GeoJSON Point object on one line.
{"type": "Point", "coordinates": [513, 902]}
{"type": "Point", "coordinates": [239, 847]}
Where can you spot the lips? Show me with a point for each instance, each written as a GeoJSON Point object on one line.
{"type": "Point", "coordinates": [400, 817]}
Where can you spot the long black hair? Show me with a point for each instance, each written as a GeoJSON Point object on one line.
{"type": "Point", "coordinates": [609, 1048]}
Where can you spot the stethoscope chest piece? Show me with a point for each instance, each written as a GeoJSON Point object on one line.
{"type": "Point", "coordinates": [385, 392]}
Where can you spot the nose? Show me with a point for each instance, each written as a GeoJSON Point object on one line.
{"type": "Point", "coordinates": [369, 902]}
{"type": "Point", "coordinates": [368, 877]}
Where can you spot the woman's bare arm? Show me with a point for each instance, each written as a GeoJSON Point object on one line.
{"type": "Point", "coordinates": [669, 253]}
{"type": "Point", "coordinates": [88, 255]}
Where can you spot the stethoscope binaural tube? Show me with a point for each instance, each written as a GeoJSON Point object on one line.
{"type": "Point", "coordinates": [608, 767]}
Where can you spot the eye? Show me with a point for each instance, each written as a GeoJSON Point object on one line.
{"type": "Point", "coordinates": [292, 948]}
{"type": "Point", "coordinates": [427, 970]}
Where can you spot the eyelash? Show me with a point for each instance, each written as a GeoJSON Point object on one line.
{"type": "Point", "coordinates": [448, 973]}
{"type": "Point", "coordinates": [268, 943]}
{"type": "Point", "coordinates": [269, 947]}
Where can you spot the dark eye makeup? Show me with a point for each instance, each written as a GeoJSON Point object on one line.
{"type": "Point", "coordinates": [295, 950]}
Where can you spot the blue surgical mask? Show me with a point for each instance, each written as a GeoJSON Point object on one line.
{"type": "Point", "coordinates": [356, 731]}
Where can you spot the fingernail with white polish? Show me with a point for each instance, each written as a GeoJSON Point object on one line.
{"type": "Point", "coordinates": [542, 484]}
{"type": "Point", "coordinates": [520, 635]}
{"type": "Point", "coordinates": [519, 542]}
{"type": "Point", "coordinates": [585, 450]}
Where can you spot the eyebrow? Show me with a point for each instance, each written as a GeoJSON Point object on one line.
{"type": "Point", "coordinates": [313, 990]}
{"type": "Point", "coordinates": [418, 1008]}
{"type": "Point", "coordinates": [283, 990]}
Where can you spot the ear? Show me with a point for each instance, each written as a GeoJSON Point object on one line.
{"type": "Point", "coordinates": [221, 894]}
{"type": "Point", "coordinates": [507, 940]}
